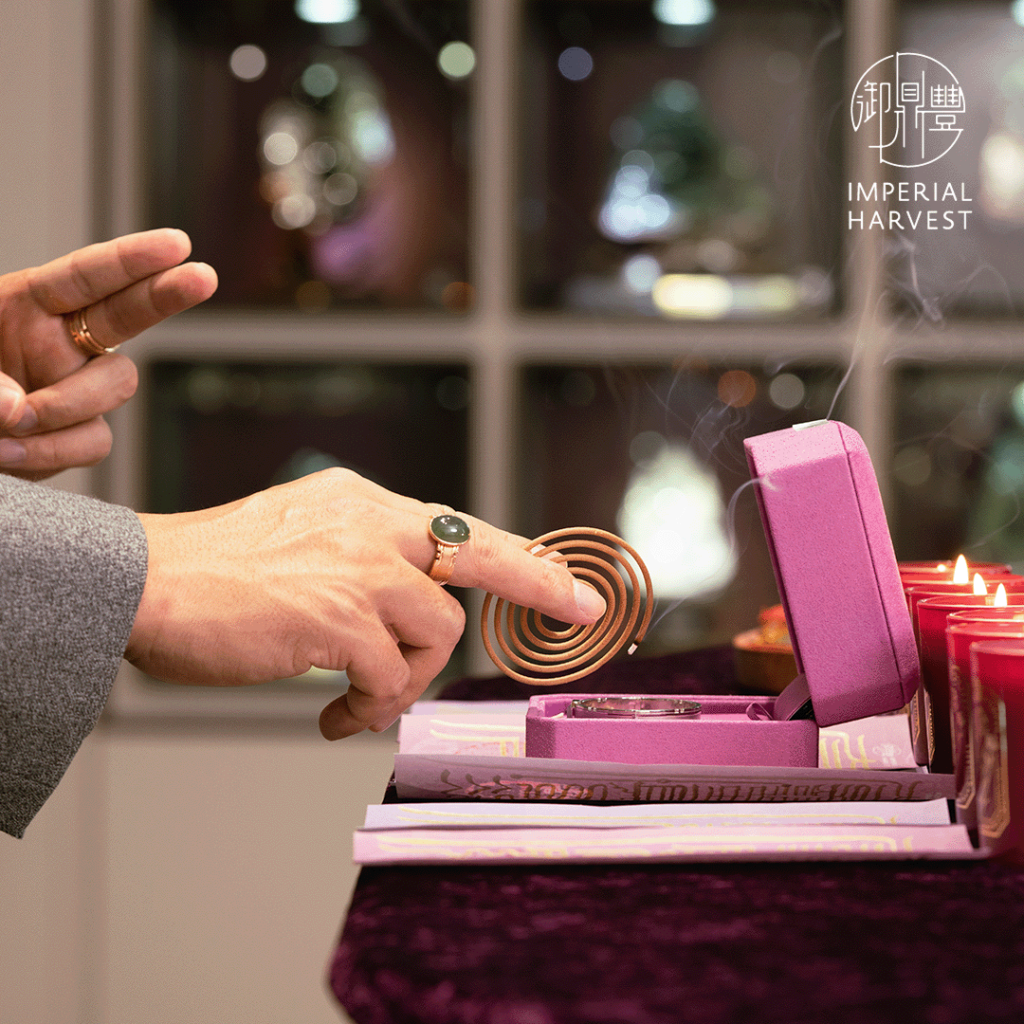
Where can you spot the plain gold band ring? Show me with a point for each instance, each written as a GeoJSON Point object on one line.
{"type": "Point", "coordinates": [83, 338]}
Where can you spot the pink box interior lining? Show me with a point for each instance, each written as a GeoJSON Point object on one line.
{"type": "Point", "coordinates": [724, 708]}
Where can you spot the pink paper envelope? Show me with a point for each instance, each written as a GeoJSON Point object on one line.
{"type": "Point", "coordinates": [839, 583]}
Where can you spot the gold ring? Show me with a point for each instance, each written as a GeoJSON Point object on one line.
{"type": "Point", "coordinates": [82, 336]}
{"type": "Point", "coordinates": [449, 532]}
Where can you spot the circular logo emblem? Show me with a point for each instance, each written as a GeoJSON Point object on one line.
{"type": "Point", "coordinates": [910, 105]}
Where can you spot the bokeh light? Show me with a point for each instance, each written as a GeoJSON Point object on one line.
{"type": "Point", "coordinates": [737, 388]}
{"type": "Point", "coordinates": [683, 12]}
{"type": "Point", "coordinates": [326, 12]}
{"type": "Point", "coordinates": [575, 63]}
{"type": "Point", "coordinates": [674, 515]}
{"type": "Point", "coordinates": [280, 148]}
{"type": "Point", "coordinates": [319, 80]}
{"type": "Point", "coordinates": [456, 60]}
{"type": "Point", "coordinates": [248, 62]}
{"type": "Point", "coordinates": [786, 391]}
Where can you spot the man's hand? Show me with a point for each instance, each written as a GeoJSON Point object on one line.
{"type": "Point", "coordinates": [329, 570]}
{"type": "Point", "coordinates": [52, 396]}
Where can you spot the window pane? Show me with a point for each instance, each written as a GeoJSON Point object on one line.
{"type": "Point", "coordinates": [681, 170]}
{"type": "Point", "coordinates": [969, 262]}
{"type": "Point", "coordinates": [220, 431]}
{"type": "Point", "coordinates": [958, 468]}
{"type": "Point", "coordinates": [315, 163]}
{"type": "Point", "coordinates": [655, 455]}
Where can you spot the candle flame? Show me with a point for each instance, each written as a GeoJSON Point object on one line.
{"type": "Point", "coordinates": [942, 567]}
{"type": "Point", "coordinates": [979, 585]}
{"type": "Point", "coordinates": [1000, 598]}
{"type": "Point", "coordinates": [960, 573]}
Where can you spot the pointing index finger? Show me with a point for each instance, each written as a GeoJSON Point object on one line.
{"type": "Point", "coordinates": [501, 563]}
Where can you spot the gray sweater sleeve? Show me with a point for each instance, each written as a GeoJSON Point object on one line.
{"type": "Point", "coordinates": [72, 571]}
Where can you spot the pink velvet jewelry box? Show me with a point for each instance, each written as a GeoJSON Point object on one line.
{"type": "Point", "coordinates": [852, 636]}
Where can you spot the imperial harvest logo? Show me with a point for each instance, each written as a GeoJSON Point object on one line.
{"type": "Point", "coordinates": [910, 107]}
{"type": "Point", "coordinates": [910, 104]}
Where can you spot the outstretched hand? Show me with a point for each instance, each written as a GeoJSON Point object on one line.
{"type": "Point", "coordinates": [52, 396]}
{"type": "Point", "coordinates": [328, 571]}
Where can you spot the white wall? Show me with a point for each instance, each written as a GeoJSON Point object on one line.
{"type": "Point", "coordinates": [228, 869]}
{"type": "Point", "coordinates": [44, 185]}
{"type": "Point", "coordinates": [178, 880]}
{"type": "Point", "coordinates": [45, 153]}
{"type": "Point", "coordinates": [172, 878]}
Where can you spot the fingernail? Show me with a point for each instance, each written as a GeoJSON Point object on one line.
{"type": "Point", "coordinates": [11, 453]}
{"type": "Point", "coordinates": [588, 600]}
{"type": "Point", "coordinates": [8, 400]}
{"type": "Point", "coordinates": [28, 422]}
{"type": "Point", "coordinates": [385, 723]}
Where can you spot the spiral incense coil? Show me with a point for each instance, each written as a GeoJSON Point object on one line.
{"type": "Point", "coordinates": [534, 649]}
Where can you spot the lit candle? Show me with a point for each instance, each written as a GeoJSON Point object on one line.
{"type": "Point", "coordinates": [1010, 584]}
{"type": "Point", "coordinates": [917, 590]}
{"type": "Point", "coordinates": [959, 637]}
{"type": "Point", "coordinates": [962, 579]}
{"type": "Point", "coordinates": [997, 685]}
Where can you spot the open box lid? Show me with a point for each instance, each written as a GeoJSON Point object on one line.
{"type": "Point", "coordinates": [836, 569]}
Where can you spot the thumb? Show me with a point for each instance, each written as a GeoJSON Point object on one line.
{"type": "Point", "coordinates": [12, 401]}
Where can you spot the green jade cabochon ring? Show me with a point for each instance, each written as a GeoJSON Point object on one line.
{"type": "Point", "coordinates": [449, 532]}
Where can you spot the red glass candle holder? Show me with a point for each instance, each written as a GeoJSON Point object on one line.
{"type": "Point", "coordinates": [932, 614]}
{"type": "Point", "coordinates": [997, 684]}
{"type": "Point", "coordinates": [929, 710]}
{"type": "Point", "coordinates": [959, 638]}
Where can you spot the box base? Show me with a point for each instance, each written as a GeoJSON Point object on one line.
{"type": "Point", "coordinates": [731, 730]}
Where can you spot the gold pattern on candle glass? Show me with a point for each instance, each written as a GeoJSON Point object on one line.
{"type": "Point", "coordinates": [993, 787]}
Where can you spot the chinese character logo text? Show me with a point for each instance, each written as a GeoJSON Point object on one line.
{"type": "Point", "coordinates": [909, 104]}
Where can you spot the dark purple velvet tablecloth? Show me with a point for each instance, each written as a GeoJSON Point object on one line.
{"type": "Point", "coordinates": [848, 943]}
